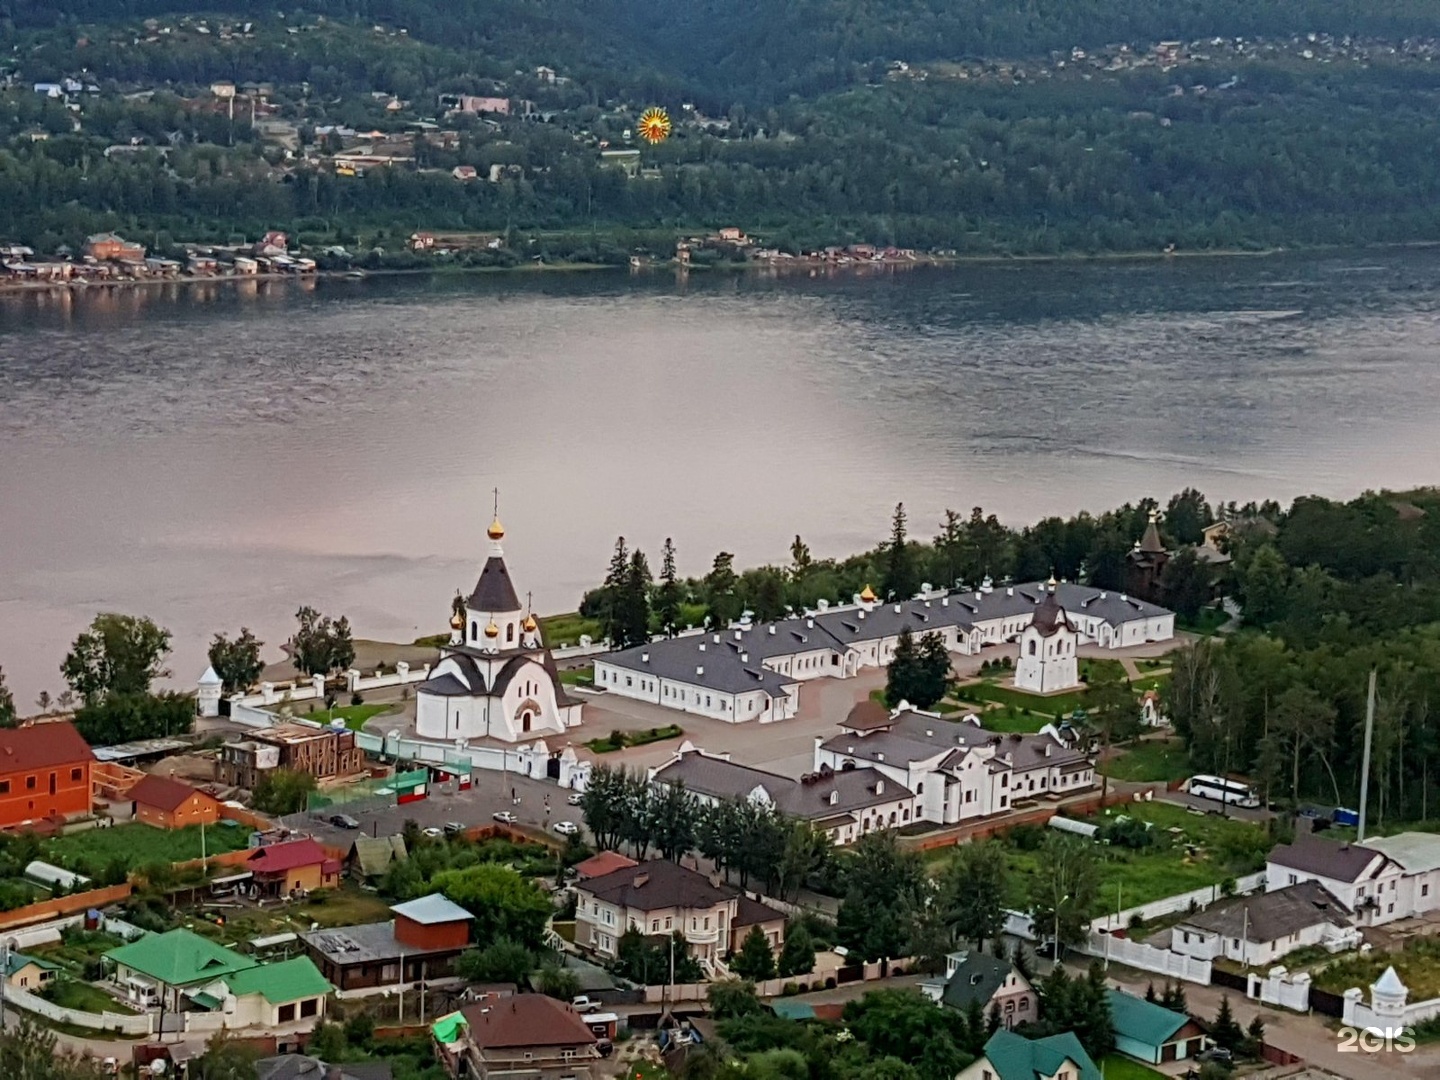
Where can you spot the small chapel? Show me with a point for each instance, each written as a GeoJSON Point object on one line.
{"type": "Point", "coordinates": [495, 679]}
{"type": "Point", "coordinates": [1047, 649]}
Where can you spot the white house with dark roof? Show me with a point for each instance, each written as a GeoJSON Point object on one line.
{"type": "Point", "coordinates": [957, 770]}
{"type": "Point", "coordinates": [1048, 644]}
{"type": "Point", "coordinates": [753, 671]}
{"type": "Point", "coordinates": [1363, 879]}
{"type": "Point", "coordinates": [1259, 930]}
{"type": "Point", "coordinates": [496, 679]}
{"type": "Point", "coordinates": [844, 805]}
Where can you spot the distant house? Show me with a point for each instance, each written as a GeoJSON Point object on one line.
{"type": "Point", "coordinates": [292, 868]}
{"type": "Point", "coordinates": [272, 243]}
{"type": "Point", "coordinates": [661, 898]}
{"type": "Point", "coordinates": [44, 773]}
{"type": "Point", "coordinates": [1152, 1033]}
{"type": "Point", "coordinates": [602, 863]}
{"type": "Point", "coordinates": [321, 752]}
{"type": "Point", "coordinates": [993, 982]}
{"type": "Point", "coordinates": [528, 1035]}
{"type": "Point", "coordinates": [167, 968]}
{"type": "Point", "coordinates": [1258, 931]}
{"type": "Point", "coordinates": [169, 804]}
{"type": "Point", "coordinates": [1008, 1056]}
{"type": "Point", "coordinates": [420, 943]}
{"type": "Point", "coordinates": [288, 992]}
{"type": "Point", "coordinates": [109, 247]}
{"type": "Point", "coordinates": [1362, 878]}
{"type": "Point", "coordinates": [302, 1067]}
{"type": "Point", "coordinates": [371, 856]}
{"type": "Point", "coordinates": [465, 172]}
{"type": "Point", "coordinates": [422, 241]}
{"type": "Point", "coordinates": [28, 972]}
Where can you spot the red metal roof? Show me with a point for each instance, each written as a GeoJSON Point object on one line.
{"type": "Point", "coordinates": [606, 862]}
{"type": "Point", "coordinates": [275, 858]}
{"type": "Point", "coordinates": [162, 792]}
{"type": "Point", "coordinates": [42, 746]}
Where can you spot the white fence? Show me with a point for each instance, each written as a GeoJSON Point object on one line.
{"type": "Point", "coordinates": [1279, 987]}
{"type": "Point", "coordinates": [105, 1021]}
{"type": "Point", "coordinates": [314, 687]}
{"type": "Point", "coordinates": [1171, 905]}
{"type": "Point", "coordinates": [1137, 954]}
{"type": "Point", "coordinates": [1400, 1015]}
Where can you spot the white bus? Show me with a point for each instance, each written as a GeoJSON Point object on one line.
{"type": "Point", "coordinates": [1221, 789]}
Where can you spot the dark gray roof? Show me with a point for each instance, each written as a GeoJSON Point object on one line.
{"type": "Point", "coordinates": [1323, 858]}
{"type": "Point", "coordinates": [733, 658]}
{"type": "Point", "coordinates": [749, 912]}
{"type": "Point", "coordinates": [446, 685]}
{"type": "Point", "coordinates": [365, 943]}
{"type": "Point", "coordinates": [914, 736]}
{"type": "Point", "coordinates": [976, 979]}
{"type": "Point", "coordinates": [301, 1067]}
{"type": "Point", "coordinates": [657, 884]}
{"type": "Point", "coordinates": [852, 789]}
{"type": "Point", "coordinates": [1049, 616]}
{"type": "Point", "coordinates": [494, 591]}
{"type": "Point", "coordinates": [1272, 915]}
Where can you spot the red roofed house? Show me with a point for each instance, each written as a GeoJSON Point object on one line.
{"type": "Point", "coordinates": [605, 862]}
{"type": "Point", "coordinates": [529, 1034]}
{"type": "Point", "coordinates": [296, 865]}
{"type": "Point", "coordinates": [169, 804]}
{"type": "Point", "coordinates": [44, 773]}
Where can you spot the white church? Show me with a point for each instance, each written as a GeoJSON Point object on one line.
{"type": "Point", "coordinates": [1047, 660]}
{"type": "Point", "coordinates": [496, 679]}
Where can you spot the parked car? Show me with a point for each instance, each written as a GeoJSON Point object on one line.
{"type": "Point", "coordinates": [583, 1004]}
{"type": "Point", "coordinates": [1217, 1054]}
{"type": "Point", "coordinates": [344, 821]}
{"type": "Point", "coordinates": [505, 817]}
{"type": "Point", "coordinates": [566, 828]}
{"type": "Point", "coordinates": [575, 799]}
{"type": "Point", "coordinates": [453, 828]}
{"type": "Point", "coordinates": [433, 833]}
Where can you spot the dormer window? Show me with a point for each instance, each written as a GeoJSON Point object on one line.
{"type": "Point", "coordinates": [834, 798]}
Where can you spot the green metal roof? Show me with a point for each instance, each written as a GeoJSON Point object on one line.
{"type": "Point", "coordinates": [793, 1010]}
{"type": "Point", "coordinates": [289, 980]}
{"type": "Point", "coordinates": [1018, 1058]}
{"type": "Point", "coordinates": [448, 1028]}
{"type": "Point", "coordinates": [16, 961]}
{"type": "Point", "coordinates": [1144, 1021]}
{"type": "Point", "coordinates": [179, 958]}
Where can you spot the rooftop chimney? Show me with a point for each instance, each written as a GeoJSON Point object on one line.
{"type": "Point", "coordinates": [699, 669]}
{"type": "Point", "coordinates": [644, 657]}
{"type": "Point", "coordinates": [1047, 749]}
{"type": "Point", "coordinates": [702, 646]}
{"type": "Point", "coordinates": [739, 635]}
{"type": "Point", "coordinates": [810, 624]}
{"type": "Point", "coordinates": [717, 639]}
{"type": "Point", "coordinates": [641, 880]}
{"type": "Point", "coordinates": [772, 628]}
{"type": "Point", "coordinates": [898, 609]}
{"type": "Point", "coordinates": [1010, 591]}
{"type": "Point", "coordinates": [744, 658]}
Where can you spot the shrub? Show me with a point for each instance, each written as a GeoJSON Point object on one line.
{"type": "Point", "coordinates": [357, 699]}
{"type": "Point", "coordinates": [830, 982]}
{"type": "Point", "coordinates": [790, 989]}
{"type": "Point", "coordinates": [319, 896]}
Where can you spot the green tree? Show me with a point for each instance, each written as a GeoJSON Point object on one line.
{"type": "Point", "coordinates": [731, 998]}
{"type": "Point", "coordinates": [672, 817]}
{"type": "Point", "coordinates": [632, 623]}
{"type": "Point", "coordinates": [603, 805]}
{"type": "Point", "coordinates": [504, 904]}
{"type": "Point", "coordinates": [669, 595]}
{"type": "Point", "coordinates": [720, 596]}
{"type": "Point", "coordinates": [612, 616]}
{"type": "Point", "coordinates": [558, 982]}
{"type": "Point", "coordinates": [1185, 584]}
{"type": "Point", "coordinates": [118, 654]}
{"type": "Point", "coordinates": [918, 672]}
{"type": "Point", "coordinates": [901, 581]}
{"type": "Point", "coordinates": [797, 955]}
{"type": "Point", "coordinates": [8, 717]}
{"type": "Point", "coordinates": [755, 960]}
{"type": "Point", "coordinates": [972, 891]}
{"type": "Point", "coordinates": [1226, 1030]}
{"type": "Point", "coordinates": [321, 645]}
{"type": "Point", "coordinates": [237, 662]}
{"type": "Point", "coordinates": [120, 718]}
{"type": "Point", "coordinates": [907, 1025]}
{"type": "Point", "coordinates": [1263, 587]}
{"type": "Point", "coordinates": [282, 791]}
{"type": "Point", "coordinates": [502, 961]}
{"type": "Point", "coordinates": [28, 1052]}
{"type": "Point", "coordinates": [1065, 891]}
{"type": "Point", "coordinates": [228, 1059]}
{"type": "Point", "coordinates": [881, 884]}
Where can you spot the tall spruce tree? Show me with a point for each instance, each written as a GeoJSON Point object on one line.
{"type": "Point", "coordinates": [900, 581]}
{"type": "Point", "coordinates": [633, 607]}
{"type": "Point", "coordinates": [668, 596]}
{"type": "Point", "coordinates": [612, 590]}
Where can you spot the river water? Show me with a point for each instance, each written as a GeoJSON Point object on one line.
{"type": "Point", "coordinates": [217, 456]}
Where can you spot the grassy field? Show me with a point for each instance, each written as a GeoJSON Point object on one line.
{"type": "Point", "coordinates": [137, 845]}
{"type": "Point", "coordinates": [1151, 760]}
{"type": "Point", "coordinates": [1012, 720]}
{"type": "Point", "coordinates": [346, 906]}
{"type": "Point", "coordinates": [619, 740]}
{"type": "Point", "coordinates": [1048, 706]}
{"type": "Point", "coordinates": [1116, 1067]}
{"type": "Point", "coordinates": [1418, 966]}
{"type": "Point", "coordinates": [353, 715]}
{"type": "Point", "coordinates": [77, 948]}
{"type": "Point", "coordinates": [1093, 669]}
{"type": "Point", "coordinates": [72, 994]}
{"type": "Point", "coordinates": [584, 676]}
{"type": "Point", "coordinates": [1205, 624]}
{"type": "Point", "coordinates": [567, 629]}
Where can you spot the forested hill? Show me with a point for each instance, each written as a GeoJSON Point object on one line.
{"type": "Point", "coordinates": [761, 51]}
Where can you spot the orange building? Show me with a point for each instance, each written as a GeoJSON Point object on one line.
{"type": "Point", "coordinates": [286, 869]}
{"type": "Point", "coordinates": [432, 922]}
{"type": "Point", "coordinates": [104, 247]}
{"type": "Point", "coordinates": [44, 773]}
{"type": "Point", "coordinates": [169, 804]}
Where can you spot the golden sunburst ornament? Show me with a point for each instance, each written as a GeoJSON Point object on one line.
{"type": "Point", "coordinates": [655, 125]}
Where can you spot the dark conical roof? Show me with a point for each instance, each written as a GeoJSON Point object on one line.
{"type": "Point", "coordinates": [494, 591]}
{"type": "Point", "coordinates": [1049, 616]}
{"type": "Point", "coordinates": [1150, 541]}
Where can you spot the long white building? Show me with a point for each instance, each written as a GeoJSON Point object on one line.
{"type": "Point", "coordinates": [753, 671]}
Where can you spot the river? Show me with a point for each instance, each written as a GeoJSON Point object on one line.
{"type": "Point", "coordinates": [219, 455]}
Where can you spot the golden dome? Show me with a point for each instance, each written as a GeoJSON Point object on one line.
{"type": "Point", "coordinates": [1052, 582]}
{"type": "Point", "coordinates": [457, 621]}
{"type": "Point", "coordinates": [530, 624]}
{"type": "Point", "coordinates": [867, 595]}
{"type": "Point", "coordinates": [492, 631]}
{"type": "Point", "coordinates": [496, 531]}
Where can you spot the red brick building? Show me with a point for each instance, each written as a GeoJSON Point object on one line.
{"type": "Point", "coordinates": [44, 773]}
{"type": "Point", "coordinates": [169, 804]}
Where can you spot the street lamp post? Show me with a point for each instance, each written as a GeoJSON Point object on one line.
{"type": "Point", "coordinates": [1062, 900]}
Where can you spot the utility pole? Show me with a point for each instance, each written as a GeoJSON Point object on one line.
{"type": "Point", "coordinates": [1365, 761]}
{"type": "Point", "coordinates": [4, 975]}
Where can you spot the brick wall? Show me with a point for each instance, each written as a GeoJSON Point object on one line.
{"type": "Point", "coordinates": [64, 905]}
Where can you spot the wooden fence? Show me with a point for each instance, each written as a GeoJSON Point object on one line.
{"type": "Point", "coordinates": [64, 905]}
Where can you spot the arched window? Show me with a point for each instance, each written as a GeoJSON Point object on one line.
{"type": "Point", "coordinates": [474, 631]}
{"type": "Point", "coordinates": [1032, 646]}
{"type": "Point", "coordinates": [509, 632]}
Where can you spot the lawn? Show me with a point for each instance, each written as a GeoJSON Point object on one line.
{"type": "Point", "coordinates": [139, 845]}
{"type": "Point", "coordinates": [567, 629]}
{"type": "Point", "coordinates": [72, 994]}
{"type": "Point", "coordinates": [619, 740]}
{"type": "Point", "coordinates": [346, 906]}
{"type": "Point", "coordinates": [1150, 760]}
{"type": "Point", "coordinates": [1115, 1067]}
{"type": "Point", "coordinates": [1013, 720]}
{"type": "Point", "coordinates": [1206, 623]}
{"type": "Point", "coordinates": [1094, 670]}
{"type": "Point", "coordinates": [1417, 964]}
{"type": "Point", "coordinates": [583, 676]}
{"type": "Point", "coordinates": [353, 715]}
{"type": "Point", "coordinates": [77, 948]}
{"type": "Point", "coordinates": [1048, 706]}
